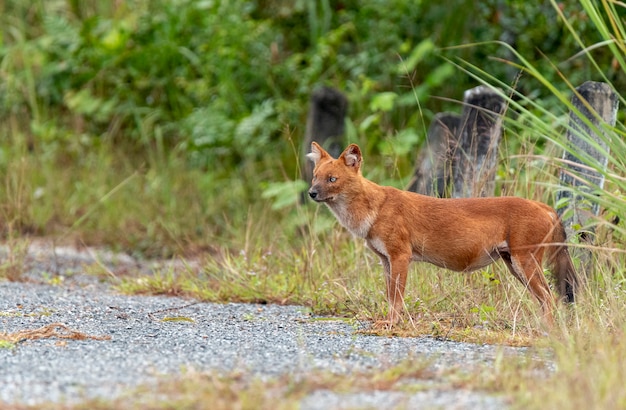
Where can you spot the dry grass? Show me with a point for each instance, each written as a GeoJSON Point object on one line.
{"type": "Point", "coordinates": [51, 331]}
{"type": "Point", "coordinates": [335, 275]}
{"type": "Point", "coordinates": [236, 390]}
{"type": "Point", "coordinates": [13, 263]}
{"type": "Point", "coordinates": [326, 269]}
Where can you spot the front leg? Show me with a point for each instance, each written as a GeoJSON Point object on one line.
{"type": "Point", "coordinates": [396, 282]}
{"type": "Point", "coordinates": [395, 271]}
{"type": "Point", "coordinates": [384, 260]}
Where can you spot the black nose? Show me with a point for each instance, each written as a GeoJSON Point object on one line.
{"type": "Point", "coordinates": [313, 194]}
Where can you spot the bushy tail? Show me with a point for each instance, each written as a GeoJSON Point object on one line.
{"type": "Point", "coordinates": [561, 265]}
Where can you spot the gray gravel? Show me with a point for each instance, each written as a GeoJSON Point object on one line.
{"type": "Point", "coordinates": [263, 340]}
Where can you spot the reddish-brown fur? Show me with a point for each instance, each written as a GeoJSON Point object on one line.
{"type": "Point", "coordinates": [458, 234]}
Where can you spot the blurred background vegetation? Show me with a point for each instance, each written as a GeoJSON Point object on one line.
{"type": "Point", "coordinates": [175, 128]}
{"type": "Point", "coordinates": [156, 126]}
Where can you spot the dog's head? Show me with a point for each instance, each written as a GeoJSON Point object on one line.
{"type": "Point", "coordinates": [333, 177]}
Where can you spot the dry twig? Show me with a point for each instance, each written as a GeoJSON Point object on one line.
{"type": "Point", "coordinates": [58, 330]}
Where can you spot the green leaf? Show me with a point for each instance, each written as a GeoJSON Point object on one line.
{"type": "Point", "coordinates": [5, 344]}
{"type": "Point", "coordinates": [400, 144]}
{"type": "Point", "coordinates": [383, 101]}
{"type": "Point", "coordinates": [368, 122]}
{"type": "Point", "coordinates": [441, 74]}
{"type": "Point", "coordinates": [422, 50]}
{"type": "Point", "coordinates": [284, 194]}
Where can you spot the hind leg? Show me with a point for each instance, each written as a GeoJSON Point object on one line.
{"type": "Point", "coordinates": [527, 269]}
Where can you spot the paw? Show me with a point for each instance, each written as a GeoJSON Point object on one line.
{"type": "Point", "coordinates": [382, 325]}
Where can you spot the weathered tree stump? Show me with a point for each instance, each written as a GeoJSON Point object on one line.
{"type": "Point", "coordinates": [586, 156]}
{"type": "Point", "coordinates": [476, 153]}
{"type": "Point", "coordinates": [433, 170]}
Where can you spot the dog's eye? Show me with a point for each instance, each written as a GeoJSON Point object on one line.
{"type": "Point", "coordinates": [332, 179]}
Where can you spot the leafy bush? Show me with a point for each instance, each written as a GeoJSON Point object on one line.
{"type": "Point", "coordinates": [223, 86]}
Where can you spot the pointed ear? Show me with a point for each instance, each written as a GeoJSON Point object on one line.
{"type": "Point", "coordinates": [352, 156]}
{"type": "Point", "coordinates": [317, 153]}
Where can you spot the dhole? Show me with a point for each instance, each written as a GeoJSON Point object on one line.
{"type": "Point", "coordinates": [459, 234]}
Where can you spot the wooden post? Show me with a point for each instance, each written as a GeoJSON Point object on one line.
{"type": "Point", "coordinates": [433, 171]}
{"type": "Point", "coordinates": [476, 153]}
{"type": "Point", "coordinates": [598, 103]}
{"type": "Point", "coordinates": [325, 125]}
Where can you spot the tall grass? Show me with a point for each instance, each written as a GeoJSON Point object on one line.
{"type": "Point", "coordinates": [103, 198]}
{"type": "Point", "coordinates": [339, 276]}
{"type": "Point", "coordinates": [588, 347]}
{"type": "Point", "coordinates": [86, 190]}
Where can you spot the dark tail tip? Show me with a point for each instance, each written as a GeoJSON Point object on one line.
{"type": "Point", "coordinates": [569, 292]}
{"type": "Point", "coordinates": [567, 278]}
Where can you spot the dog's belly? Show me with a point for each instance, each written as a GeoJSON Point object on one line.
{"type": "Point", "coordinates": [463, 260]}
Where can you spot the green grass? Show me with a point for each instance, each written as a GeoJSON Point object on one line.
{"type": "Point", "coordinates": [107, 197]}
{"type": "Point", "coordinates": [299, 255]}
{"type": "Point", "coordinates": [237, 244]}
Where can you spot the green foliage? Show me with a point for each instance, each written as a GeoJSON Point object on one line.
{"type": "Point", "coordinates": [485, 312]}
{"type": "Point", "coordinates": [214, 94]}
{"type": "Point", "coordinates": [284, 194]}
{"type": "Point", "coordinates": [222, 79]}
{"type": "Point", "coordinates": [5, 344]}
{"type": "Point", "coordinates": [174, 126]}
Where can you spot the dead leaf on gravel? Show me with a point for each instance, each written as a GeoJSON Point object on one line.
{"type": "Point", "coordinates": [58, 330]}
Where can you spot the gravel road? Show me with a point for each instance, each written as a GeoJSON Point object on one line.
{"type": "Point", "coordinates": [263, 340]}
